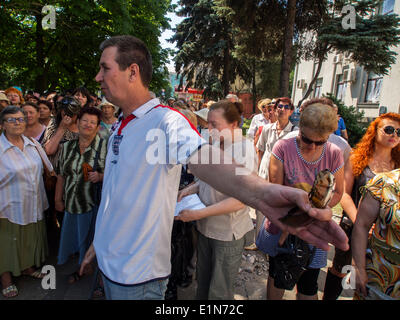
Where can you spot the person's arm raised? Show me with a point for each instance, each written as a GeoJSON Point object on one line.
{"type": "Point", "coordinates": [274, 201]}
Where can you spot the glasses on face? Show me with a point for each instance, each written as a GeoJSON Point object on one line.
{"type": "Point", "coordinates": [285, 106]}
{"type": "Point", "coordinates": [12, 96]}
{"type": "Point", "coordinates": [309, 141]}
{"type": "Point", "coordinates": [14, 120]}
{"type": "Point", "coordinates": [390, 130]}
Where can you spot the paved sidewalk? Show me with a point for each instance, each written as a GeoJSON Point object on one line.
{"type": "Point", "coordinates": [250, 284]}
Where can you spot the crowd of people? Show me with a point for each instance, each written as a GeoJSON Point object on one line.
{"type": "Point", "coordinates": [106, 203]}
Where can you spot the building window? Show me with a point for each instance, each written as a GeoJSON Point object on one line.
{"type": "Point", "coordinates": [318, 87]}
{"type": "Point", "coordinates": [374, 86]}
{"type": "Point", "coordinates": [340, 88]}
{"type": "Point", "coordinates": [387, 6]}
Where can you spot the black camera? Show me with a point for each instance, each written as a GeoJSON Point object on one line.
{"type": "Point", "coordinates": [70, 105]}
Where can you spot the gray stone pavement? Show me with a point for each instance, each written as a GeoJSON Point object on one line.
{"type": "Point", "coordinates": [250, 284]}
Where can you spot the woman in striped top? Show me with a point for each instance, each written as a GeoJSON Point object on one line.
{"type": "Point", "coordinates": [80, 166]}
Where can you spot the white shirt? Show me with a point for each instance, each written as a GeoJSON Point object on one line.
{"type": "Point", "coordinates": [22, 194]}
{"type": "Point", "coordinates": [235, 225]}
{"type": "Point", "coordinates": [268, 137]}
{"type": "Point", "coordinates": [257, 121]}
{"type": "Point", "coordinates": [333, 138]}
{"type": "Point", "coordinates": [134, 222]}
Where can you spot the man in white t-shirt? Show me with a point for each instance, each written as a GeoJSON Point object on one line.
{"type": "Point", "coordinates": [133, 228]}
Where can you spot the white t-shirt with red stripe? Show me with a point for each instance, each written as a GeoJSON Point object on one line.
{"type": "Point", "coordinates": [134, 222]}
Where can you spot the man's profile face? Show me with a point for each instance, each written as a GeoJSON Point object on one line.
{"type": "Point", "coordinates": [113, 82]}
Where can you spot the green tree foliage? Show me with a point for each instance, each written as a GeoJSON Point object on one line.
{"type": "Point", "coordinates": [205, 41]}
{"type": "Point", "coordinates": [271, 31]}
{"type": "Point", "coordinates": [352, 118]}
{"type": "Point", "coordinates": [68, 56]}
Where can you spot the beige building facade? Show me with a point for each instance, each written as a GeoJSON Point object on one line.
{"type": "Point", "coordinates": [350, 83]}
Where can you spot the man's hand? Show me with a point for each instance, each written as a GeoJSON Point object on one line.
{"type": "Point", "coordinates": [89, 256]}
{"type": "Point", "coordinates": [277, 200]}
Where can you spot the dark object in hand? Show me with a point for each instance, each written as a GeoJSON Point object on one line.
{"type": "Point", "coordinates": [320, 195]}
{"type": "Point", "coordinates": [86, 168]}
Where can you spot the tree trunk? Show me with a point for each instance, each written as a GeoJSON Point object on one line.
{"type": "Point", "coordinates": [254, 88]}
{"type": "Point", "coordinates": [40, 80]}
{"type": "Point", "coordinates": [287, 49]}
{"type": "Point", "coordinates": [226, 73]}
{"type": "Point", "coordinates": [321, 59]}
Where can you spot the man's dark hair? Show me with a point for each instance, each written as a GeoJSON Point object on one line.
{"type": "Point", "coordinates": [93, 111]}
{"type": "Point", "coordinates": [131, 50]}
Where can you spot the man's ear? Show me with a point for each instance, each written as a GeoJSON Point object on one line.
{"type": "Point", "coordinates": [133, 71]}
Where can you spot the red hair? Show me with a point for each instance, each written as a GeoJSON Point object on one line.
{"type": "Point", "coordinates": [364, 150]}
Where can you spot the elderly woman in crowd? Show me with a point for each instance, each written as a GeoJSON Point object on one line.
{"type": "Point", "coordinates": [45, 111]}
{"type": "Point", "coordinates": [223, 224]}
{"type": "Point", "coordinates": [378, 273]}
{"type": "Point", "coordinates": [34, 128]}
{"type": "Point", "coordinates": [22, 202]}
{"type": "Point", "coordinates": [261, 119]}
{"type": "Point", "coordinates": [80, 169]}
{"type": "Point", "coordinates": [83, 96]}
{"type": "Point", "coordinates": [108, 118]}
{"type": "Point", "coordinates": [270, 134]}
{"type": "Point", "coordinates": [295, 162]}
{"type": "Point", "coordinates": [15, 96]}
{"type": "Point", "coordinates": [65, 127]}
{"type": "Point", "coordinates": [377, 152]}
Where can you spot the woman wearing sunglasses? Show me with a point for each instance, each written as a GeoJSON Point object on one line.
{"type": "Point", "coordinates": [295, 162]}
{"type": "Point", "coordinates": [270, 134]}
{"type": "Point", "coordinates": [23, 241]}
{"type": "Point", "coordinates": [259, 120]}
{"type": "Point", "coordinates": [377, 152]}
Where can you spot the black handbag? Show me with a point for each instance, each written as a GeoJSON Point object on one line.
{"type": "Point", "coordinates": [98, 186]}
{"type": "Point", "coordinates": [291, 261]}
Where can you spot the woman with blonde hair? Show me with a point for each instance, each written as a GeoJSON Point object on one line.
{"type": "Point", "coordinates": [377, 152]}
{"type": "Point", "coordinates": [295, 162]}
{"type": "Point", "coordinates": [259, 120]}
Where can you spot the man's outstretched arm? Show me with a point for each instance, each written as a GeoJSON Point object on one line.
{"type": "Point", "coordinates": [274, 201]}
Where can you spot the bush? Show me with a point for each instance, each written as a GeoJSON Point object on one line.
{"type": "Point", "coordinates": [353, 120]}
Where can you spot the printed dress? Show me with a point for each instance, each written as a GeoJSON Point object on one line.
{"type": "Point", "coordinates": [383, 257]}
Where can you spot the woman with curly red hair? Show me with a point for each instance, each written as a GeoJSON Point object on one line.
{"type": "Point", "coordinates": [377, 152]}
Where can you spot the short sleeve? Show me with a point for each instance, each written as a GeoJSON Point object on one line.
{"type": "Point", "coordinates": [182, 139]}
{"type": "Point", "coordinates": [278, 151]}
{"type": "Point", "coordinates": [384, 188]}
{"type": "Point", "coordinates": [253, 127]}
{"type": "Point", "coordinates": [337, 159]}
{"type": "Point", "coordinates": [342, 124]}
{"type": "Point", "coordinates": [262, 140]}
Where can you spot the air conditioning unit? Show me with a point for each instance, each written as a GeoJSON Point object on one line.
{"type": "Point", "coordinates": [338, 58]}
{"type": "Point", "coordinates": [352, 76]}
{"type": "Point", "coordinates": [301, 84]}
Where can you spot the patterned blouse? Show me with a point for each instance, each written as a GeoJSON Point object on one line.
{"type": "Point", "coordinates": [383, 258]}
{"type": "Point", "coordinates": [49, 133]}
{"type": "Point", "coordinates": [78, 193]}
